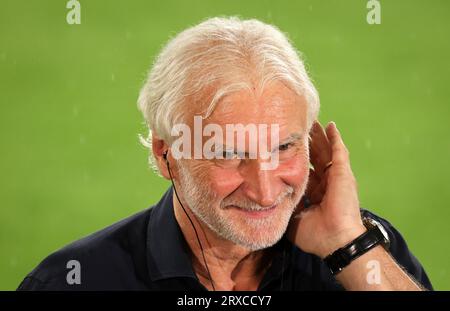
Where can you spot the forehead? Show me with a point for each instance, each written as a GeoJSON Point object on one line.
{"type": "Point", "coordinates": [276, 104]}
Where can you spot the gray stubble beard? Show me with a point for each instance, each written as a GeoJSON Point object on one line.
{"type": "Point", "coordinates": [262, 233]}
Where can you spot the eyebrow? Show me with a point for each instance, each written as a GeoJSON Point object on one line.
{"type": "Point", "coordinates": [292, 138]}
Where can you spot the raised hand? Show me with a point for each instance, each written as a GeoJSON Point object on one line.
{"type": "Point", "coordinates": [329, 217]}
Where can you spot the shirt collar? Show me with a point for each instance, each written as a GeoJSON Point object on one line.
{"type": "Point", "coordinates": [168, 254]}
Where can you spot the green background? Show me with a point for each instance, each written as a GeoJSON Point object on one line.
{"type": "Point", "coordinates": [70, 160]}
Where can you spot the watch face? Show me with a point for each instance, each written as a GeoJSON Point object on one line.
{"type": "Point", "coordinates": [383, 231]}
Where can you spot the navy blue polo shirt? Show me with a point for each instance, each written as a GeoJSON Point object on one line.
{"type": "Point", "coordinates": [147, 251]}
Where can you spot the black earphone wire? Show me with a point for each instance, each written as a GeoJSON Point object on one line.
{"type": "Point", "coordinates": [282, 269]}
{"type": "Point", "coordinates": [190, 220]}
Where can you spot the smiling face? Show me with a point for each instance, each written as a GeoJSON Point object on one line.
{"type": "Point", "coordinates": [237, 199]}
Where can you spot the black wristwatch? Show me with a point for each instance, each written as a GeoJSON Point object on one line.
{"type": "Point", "coordinates": [374, 236]}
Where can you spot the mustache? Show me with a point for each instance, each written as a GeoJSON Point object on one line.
{"type": "Point", "coordinates": [250, 205]}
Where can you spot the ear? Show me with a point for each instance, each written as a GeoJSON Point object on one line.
{"type": "Point", "coordinates": [160, 151]}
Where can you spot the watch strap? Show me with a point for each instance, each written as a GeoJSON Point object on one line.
{"type": "Point", "coordinates": [343, 256]}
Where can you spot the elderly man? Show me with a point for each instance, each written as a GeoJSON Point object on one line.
{"type": "Point", "coordinates": [240, 215]}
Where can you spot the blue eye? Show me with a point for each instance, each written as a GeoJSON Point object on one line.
{"type": "Point", "coordinates": [233, 155]}
{"type": "Point", "coordinates": [285, 146]}
{"type": "Point", "coordinates": [229, 155]}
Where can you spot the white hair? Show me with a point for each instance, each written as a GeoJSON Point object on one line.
{"type": "Point", "coordinates": [217, 57]}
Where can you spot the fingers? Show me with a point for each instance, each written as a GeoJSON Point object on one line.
{"type": "Point", "coordinates": [339, 152]}
{"type": "Point", "coordinates": [320, 150]}
{"type": "Point", "coordinates": [325, 146]}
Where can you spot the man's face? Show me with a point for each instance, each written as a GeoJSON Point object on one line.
{"type": "Point", "coordinates": [237, 199]}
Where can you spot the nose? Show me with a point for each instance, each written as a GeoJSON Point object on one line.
{"type": "Point", "coordinates": [261, 186]}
